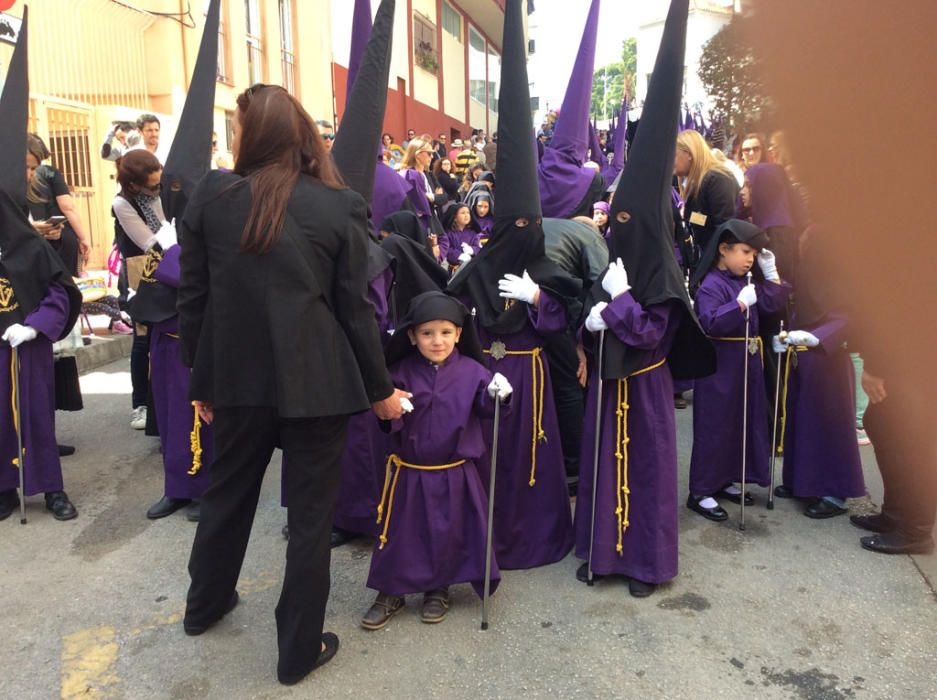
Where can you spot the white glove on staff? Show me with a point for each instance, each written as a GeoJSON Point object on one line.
{"type": "Point", "coordinates": [615, 281]}
{"type": "Point", "coordinates": [500, 388]}
{"type": "Point", "coordinates": [803, 338]}
{"type": "Point", "coordinates": [406, 404]}
{"type": "Point", "coordinates": [520, 288]}
{"type": "Point", "coordinates": [166, 236]}
{"type": "Point", "coordinates": [777, 346]}
{"type": "Point", "coordinates": [769, 266]}
{"type": "Point", "coordinates": [594, 321]}
{"type": "Point", "coordinates": [748, 297]}
{"type": "Point", "coordinates": [17, 334]}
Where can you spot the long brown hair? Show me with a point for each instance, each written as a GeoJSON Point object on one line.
{"type": "Point", "coordinates": [278, 142]}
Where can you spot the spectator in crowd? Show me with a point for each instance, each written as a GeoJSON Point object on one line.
{"type": "Point", "coordinates": [423, 191]}
{"type": "Point", "coordinates": [148, 126]}
{"type": "Point", "coordinates": [457, 146]}
{"type": "Point", "coordinates": [442, 169]}
{"type": "Point", "coordinates": [491, 153]}
{"type": "Point", "coordinates": [469, 178]}
{"type": "Point", "coordinates": [395, 151]}
{"type": "Point", "coordinates": [327, 132]}
{"type": "Point", "coordinates": [464, 159]}
{"type": "Point", "coordinates": [410, 136]}
{"type": "Point", "coordinates": [125, 134]}
{"type": "Point", "coordinates": [478, 145]}
{"type": "Point", "coordinates": [441, 149]}
{"type": "Point", "coordinates": [753, 150]}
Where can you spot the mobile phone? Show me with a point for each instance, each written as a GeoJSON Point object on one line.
{"type": "Point", "coordinates": [56, 220]}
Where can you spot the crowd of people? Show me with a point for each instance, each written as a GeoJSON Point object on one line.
{"type": "Point", "coordinates": [429, 288]}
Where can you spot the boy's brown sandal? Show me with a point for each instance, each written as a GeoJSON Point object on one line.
{"type": "Point", "coordinates": [435, 606]}
{"type": "Point", "coordinates": [380, 612]}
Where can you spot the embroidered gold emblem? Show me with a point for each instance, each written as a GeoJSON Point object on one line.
{"type": "Point", "coordinates": [153, 259]}
{"type": "Point", "coordinates": [7, 299]}
{"type": "Point", "coordinates": [752, 346]}
{"type": "Point", "coordinates": [499, 350]}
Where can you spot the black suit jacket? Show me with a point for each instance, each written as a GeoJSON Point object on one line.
{"type": "Point", "coordinates": [292, 329]}
{"type": "Point", "coordinates": [716, 200]}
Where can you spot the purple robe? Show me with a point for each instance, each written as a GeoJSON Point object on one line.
{"type": "Point", "coordinates": [485, 224]}
{"type": "Point", "coordinates": [533, 525]}
{"type": "Point", "coordinates": [37, 401]}
{"type": "Point", "coordinates": [434, 522]}
{"type": "Point", "coordinates": [390, 192]}
{"type": "Point", "coordinates": [450, 245]}
{"type": "Point", "coordinates": [716, 461]}
{"type": "Point", "coordinates": [821, 455]}
{"type": "Point", "coordinates": [617, 164]}
{"type": "Point", "coordinates": [647, 530]}
{"type": "Point", "coordinates": [175, 414]}
{"type": "Point", "coordinates": [415, 184]}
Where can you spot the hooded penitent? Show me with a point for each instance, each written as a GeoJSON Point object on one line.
{"type": "Point", "coordinates": [354, 148]}
{"type": "Point", "coordinates": [28, 265]}
{"type": "Point", "coordinates": [641, 217]}
{"type": "Point", "coordinates": [731, 231]}
{"type": "Point", "coordinates": [564, 182]}
{"type": "Point", "coordinates": [417, 269]}
{"type": "Point", "coordinates": [617, 163]}
{"type": "Point", "coordinates": [189, 160]}
{"type": "Point", "coordinates": [516, 242]}
{"type": "Point", "coordinates": [435, 306]}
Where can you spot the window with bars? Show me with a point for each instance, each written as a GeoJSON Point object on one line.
{"type": "Point", "coordinates": [424, 44]}
{"type": "Point", "coordinates": [287, 49]}
{"type": "Point", "coordinates": [452, 21]}
{"type": "Point", "coordinates": [224, 64]}
{"type": "Point", "coordinates": [478, 75]}
{"type": "Point", "coordinates": [255, 55]}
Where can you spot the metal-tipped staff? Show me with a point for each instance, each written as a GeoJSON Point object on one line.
{"type": "Point", "coordinates": [590, 579]}
{"type": "Point", "coordinates": [18, 425]}
{"type": "Point", "coordinates": [782, 336]}
{"type": "Point", "coordinates": [748, 330]}
{"type": "Point", "coordinates": [491, 512]}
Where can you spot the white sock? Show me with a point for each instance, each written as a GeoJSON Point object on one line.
{"type": "Point", "coordinates": [709, 502]}
{"type": "Point", "coordinates": [733, 489]}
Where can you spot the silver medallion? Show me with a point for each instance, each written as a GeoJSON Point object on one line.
{"type": "Point", "coordinates": [498, 350]}
{"type": "Point", "coordinates": [752, 346]}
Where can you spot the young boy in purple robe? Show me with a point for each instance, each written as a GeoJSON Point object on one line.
{"type": "Point", "coordinates": [600, 218]}
{"type": "Point", "coordinates": [723, 301]}
{"type": "Point", "coordinates": [462, 239]}
{"type": "Point", "coordinates": [482, 214]}
{"type": "Point", "coordinates": [433, 511]}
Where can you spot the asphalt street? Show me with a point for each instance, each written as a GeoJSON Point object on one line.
{"type": "Point", "coordinates": [791, 608]}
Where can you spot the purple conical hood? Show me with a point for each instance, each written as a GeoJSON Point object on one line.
{"type": "Point", "coordinates": [14, 118]}
{"type": "Point", "coordinates": [360, 31]}
{"type": "Point", "coordinates": [596, 154]}
{"type": "Point", "coordinates": [611, 170]}
{"type": "Point", "coordinates": [563, 180]}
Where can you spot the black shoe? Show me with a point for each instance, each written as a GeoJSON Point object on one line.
{"type": "Point", "coordinates": [582, 573]}
{"type": "Point", "coordinates": [61, 507]}
{"type": "Point", "coordinates": [679, 401]}
{"type": "Point", "coordinates": [820, 509]}
{"type": "Point", "coordinates": [340, 537]}
{"type": "Point", "coordinates": [640, 589]}
{"type": "Point", "coordinates": [9, 501]}
{"type": "Point", "coordinates": [193, 512]}
{"type": "Point", "coordinates": [876, 522]}
{"type": "Point", "coordinates": [330, 640]}
{"type": "Point", "coordinates": [737, 497]}
{"type": "Point", "coordinates": [572, 486]}
{"type": "Point", "coordinates": [285, 532]}
{"type": "Point", "coordinates": [166, 506]}
{"type": "Point", "coordinates": [195, 630]}
{"type": "Point", "coordinates": [716, 514]}
{"type": "Point", "coordinates": [896, 543]}
{"type": "Point", "coordinates": [783, 492]}
{"type": "Point", "coordinates": [66, 450]}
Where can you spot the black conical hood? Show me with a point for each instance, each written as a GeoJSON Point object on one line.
{"type": "Point", "coordinates": [518, 192]}
{"type": "Point", "coordinates": [641, 217]}
{"type": "Point", "coordinates": [189, 157]}
{"type": "Point", "coordinates": [360, 33]}
{"type": "Point", "coordinates": [14, 116]}
{"type": "Point", "coordinates": [355, 148]}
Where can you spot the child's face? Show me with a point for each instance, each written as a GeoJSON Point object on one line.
{"type": "Point", "coordinates": [463, 217]}
{"type": "Point", "coordinates": [435, 339]}
{"type": "Point", "coordinates": [481, 208]}
{"type": "Point", "coordinates": [737, 258]}
{"type": "Point", "coordinates": [600, 218]}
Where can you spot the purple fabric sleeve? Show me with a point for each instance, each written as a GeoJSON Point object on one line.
{"type": "Point", "coordinates": [772, 297]}
{"type": "Point", "coordinates": [831, 333]}
{"type": "Point", "coordinates": [549, 316]}
{"type": "Point", "coordinates": [718, 318]}
{"type": "Point", "coordinates": [168, 270]}
{"type": "Point", "coordinates": [633, 325]}
{"type": "Point", "coordinates": [50, 317]}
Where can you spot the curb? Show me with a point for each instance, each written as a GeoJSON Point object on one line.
{"type": "Point", "coordinates": [102, 351]}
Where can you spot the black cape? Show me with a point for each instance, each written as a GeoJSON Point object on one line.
{"type": "Point", "coordinates": [416, 269]}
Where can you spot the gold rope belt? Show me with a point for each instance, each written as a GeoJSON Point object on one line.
{"type": "Point", "coordinates": [16, 416]}
{"type": "Point", "coordinates": [388, 496]}
{"type": "Point", "coordinates": [791, 352]}
{"type": "Point", "coordinates": [538, 379]}
{"type": "Point", "coordinates": [756, 338]}
{"type": "Point", "coordinates": [195, 437]}
{"type": "Point", "coordinates": [623, 491]}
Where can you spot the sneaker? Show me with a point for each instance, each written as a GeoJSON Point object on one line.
{"type": "Point", "coordinates": [138, 418]}
{"type": "Point", "coordinates": [121, 328]}
{"type": "Point", "coordinates": [862, 438]}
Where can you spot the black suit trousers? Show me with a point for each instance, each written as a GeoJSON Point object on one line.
{"type": "Point", "coordinates": [244, 442]}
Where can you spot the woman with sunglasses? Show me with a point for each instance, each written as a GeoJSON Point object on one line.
{"type": "Point", "coordinates": [274, 320]}
{"type": "Point", "coordinates": [423, 189]}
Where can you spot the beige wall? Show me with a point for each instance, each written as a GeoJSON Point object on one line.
{"type": "Point", "coordinates": [453, 60]}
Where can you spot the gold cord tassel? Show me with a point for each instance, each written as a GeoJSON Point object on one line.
{"type": "Point", "coordinates": [195, 443]}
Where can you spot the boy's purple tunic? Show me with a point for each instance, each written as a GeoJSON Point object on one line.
{"type": "Point", "coordinates": [532, 524]}
{"type": "Point", "coordinates": [437, 519]}
{"type": "Point", "coordinates": [175, 415]}
{"type": "Point", "coordinates": [37, 401]}
{"type": "Point", "coordinates": [716, 461]}
{"type": "Point", "coordinates": [649, 508]}
{"type": "Point", "coordinates": [821, 455]}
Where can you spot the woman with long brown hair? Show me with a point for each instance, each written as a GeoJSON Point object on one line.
{"type": "Point", "coordinates": [275, 323]}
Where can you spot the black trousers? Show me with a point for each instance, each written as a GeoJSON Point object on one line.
{"type": "Point", "coordinates": [568, 396]}
{"type": "Point", "coordinates": [244, 442]}
{"type": "Point", "coordinates": [139, 368]}
{"type": "Point", "coordinates": [902, 432]}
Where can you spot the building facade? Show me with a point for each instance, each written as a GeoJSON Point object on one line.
{"type": "Point", "coordinates": [96, 61]}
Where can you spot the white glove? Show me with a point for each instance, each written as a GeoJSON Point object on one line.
{"type": "Point", "coordinates": [406, 404]}
{"type": "Point", "coordinates": [520, 288]}
{"type": "Point", "coordinates": [777, 346]}
{"type": "Point", "coordinates": [803, 338]}
{"type": "Point", "coordinates": [594, 321]}
{"type": "Point", "coordinates": [615, 281]}
{"type": "Point", "coordinates": [166, 236]}
{"type": "Point", "coordinates": [768, 264]}
{"type": "Point", "coordinates": [17, 334]}
{"type": "Point", "coordinates": [500, 388]}
{"type": "Point", "coordinates": [748, 297]}
{"type": "Point", "coordinates": [464, 258]}
{"type": "Point", "coordinates": [467, 250]}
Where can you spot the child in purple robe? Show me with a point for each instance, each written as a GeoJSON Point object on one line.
{"type": "Point", "coordinates": [600, 217]}
{"type": "Point", "coordinates": [723, 301]}
{"type": "Point", "coordinates": [462, 239]}
{"type": "Point", "coordinates": [482, 216]}
{"type": "Point", "coordinates": [433, 511]}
